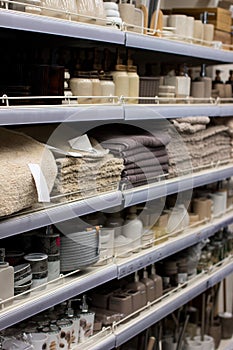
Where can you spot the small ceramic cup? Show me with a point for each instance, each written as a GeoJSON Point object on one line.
{"type": "Point", "coordinates": [39, 341]}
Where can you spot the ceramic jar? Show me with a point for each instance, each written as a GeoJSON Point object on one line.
{"type": "Point", "coordinates": [96, 87]}
{"type": "Point", "coordinates": [133, 84]}
{"type": "Point", "coordinates": [81, 86]}
{"type": "Point", "coordinates": [121, 80]}
{"type": "Point", "coordinates": [107, 87]}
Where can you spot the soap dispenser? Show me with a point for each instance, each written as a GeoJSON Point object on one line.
{"type": "Point", "coordinates": [150, 286]}
{"type": "Point", "coordinates": [121, 79]}
{"type": "Point", "coordinates": [6, 278]}
{"type": "Point", "coordinates": [157, 281]}
{"type": "Point", "coordinates": [86, 321]}
{"type": "Point", "coordinates": [133, 228]}
{"type": "Point", "coordinates": [138, 286]}
{"type": "Point", "coordinates": [133, 81]}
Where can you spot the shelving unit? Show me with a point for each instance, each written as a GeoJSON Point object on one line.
{"type": "Point", "coordinates": [154, 312]}
{"type": "Point", "coordinates": [21, 23]}
{"type": "Point", "coordinates": [68, 287]}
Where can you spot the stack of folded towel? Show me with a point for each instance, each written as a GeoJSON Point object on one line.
{"type": "Point", "coordinates": [88, 175]}
{"type": "Point", "coordinates": [196, 145]}
{"type": "Point", "coordinates": [144, 155]}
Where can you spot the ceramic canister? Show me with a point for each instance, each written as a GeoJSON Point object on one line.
{"type": "Point", "coordinates": [38, 262]}
{"type": "Point", "coordinates": [86, 325]}
{"type": "Point", "coordinates": [49, 243]}
{"type": "Point", "coordinates": [53, 266]}
{"type": "Point", "coordinates": [65, 334]}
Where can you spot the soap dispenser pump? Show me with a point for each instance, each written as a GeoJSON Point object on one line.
{"type": "Point", "coordinates": [6, 278]}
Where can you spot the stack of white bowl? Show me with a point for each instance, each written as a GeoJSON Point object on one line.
{"type": "Point", "coordinates": [112, 13]}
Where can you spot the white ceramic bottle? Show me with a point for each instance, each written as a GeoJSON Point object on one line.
{"type": "Point", "coordinates": [133, 228]}
{"type": "Point", "coordinates": [121, 80]}
{"type": "Point", "coordinates": [6, 278]}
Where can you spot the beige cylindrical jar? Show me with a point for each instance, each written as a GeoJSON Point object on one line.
{"type": "Point", "coordinates": [81, 86]}
{"type": "Point", "coordinates": [107, 87]}
{"type": "Point", "coordinates": [121, 80]}
{"type": "Point", "coordinates": [96, 87]}
{"type": "Point", "coordinates": [133, 83]}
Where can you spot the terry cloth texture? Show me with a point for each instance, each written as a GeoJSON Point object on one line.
{"type": "Point", "coordinates": [194, 147]}
{"type": "Point", "coordinates": [90, 175]}
{"type": "Point", "coordinates": [17, 187]}
{"type": "Point", "coordinates": [144, 155]}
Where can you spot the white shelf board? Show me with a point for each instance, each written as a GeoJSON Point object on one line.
{"type": "Point", "coordinates": [55, 293]}
{"type": "Point", "coordinates": [166, 187]}
{"type": "Point", "coordinates": [159, 310]}
{"type": "Point", "coordinates": [30, 221]}
{"type": "Point", "coordinates": [59, 114]}
{"type": "Point", "coordinates": [162, 111]}
{"type": "Point", "coordinates": [191, 236]}
{"type": "Point", "coordinates": [49, 25]}
{"type": "Point", "coordinates": [157, 44]}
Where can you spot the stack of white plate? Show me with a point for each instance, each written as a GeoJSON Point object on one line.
{"type": "Point", "coordinates": [79, 250]}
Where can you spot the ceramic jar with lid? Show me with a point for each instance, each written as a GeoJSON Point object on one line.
{"type": "Point", "coordinates": [133, 83]}
{"type": "Point", "coordinates": [107, 87]}
{"type": "Point", "coordinates": [121, 80]}
{"type": "Point", "coordinates": [96, 87]}
{"type": "Point", "coordinates": [81, 86]}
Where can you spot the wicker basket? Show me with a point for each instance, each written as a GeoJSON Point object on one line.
{"type": "Point", "coordinates": [148, 87]}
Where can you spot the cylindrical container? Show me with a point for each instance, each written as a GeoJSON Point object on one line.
{"type": "Point", "coordinates": [81, 86]}
{"type": "Point", "coordinates": [133, 228]}
{"type": "Point", "coordinates": [86, 325]}
{"type": "Point", "coordinates": [96, 87]}
{"type": "Point", "coordinates": [207, 343]}
{"type": "Point", "coordinates": [133, 83]}
{"type": "Point", "coordinates": [198, 89]}
{"type": "Point", "coordinates": [53, 337]}
{"type": "Point", "coordinates": [53, 266]}
{"type": "Point", "coordinates": [75, 329]}
{"type": "Point", "coordinates": [49, 243]}
{"type": "Point", "coordinates": [115, 221]}
{"type": "Point", "coordinates": [107, 88]}
{"type": "Point", "coordinates": [208, 32]}
{"type": "Point", "coordinates": [215, 331]}
{"type": "Point", "coordinates": [38, 262]}
{"type": "Point", "coordinates": [190, 27]}
{"type": "Point", "coordinates": [207, 86]}
{"type": "Point", "coordinates": [179, 22]}
{"type": "Point", "coordinates": [121, 80]}
{"type": "Point", "coordinates": [226, 320]}
{"type": "Point", "coordinates": [65, 334]}
{"type": "Point", "coordinates": [198, 31]}
{"type": "Point", "coordinates": [39, 340]}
